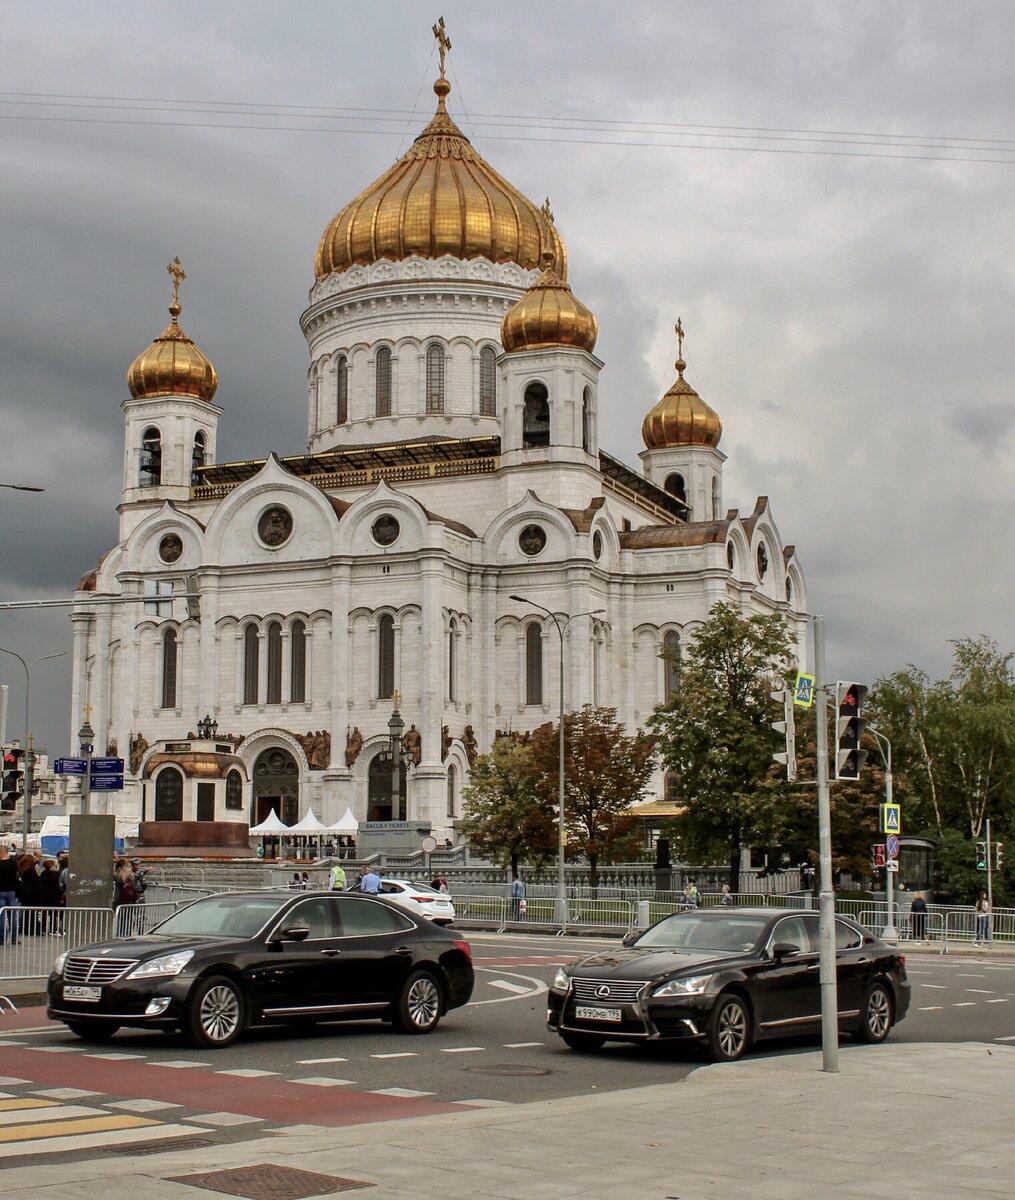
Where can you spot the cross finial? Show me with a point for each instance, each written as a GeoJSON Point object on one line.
{"type": "Point", "coordinates": [443, 42]}
{"type": "Point", "coordinates": [680, 338]}
{"type": "Point", "coordinates": [546, 210]}
{"type": "Point", "coordinates": [87, 708]}
{"type": "Point", "coordinates": [396, 696]}
{"type": "Point", "coordinates": [178, 274]}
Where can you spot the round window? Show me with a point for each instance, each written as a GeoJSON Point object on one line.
{"type": "Point", "coordinates": [597, 544]}
{"type": "Point", "coordinates": [532, 539]}
{"type": "Point", "coordinates": [275, 526]}
{"type": "Point", "coordinates": [385, 530]}
{"type": "Point", "coordinates": [762, 561]}
{"type": "Point", "coordinates": [171, 547]}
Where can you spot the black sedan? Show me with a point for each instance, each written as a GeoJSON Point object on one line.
{"type": "Point", "coordinates": [256, 958]}
{"type": "Point", "coordinates": [725, 978]}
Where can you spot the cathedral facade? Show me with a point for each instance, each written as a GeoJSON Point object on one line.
{"type": "Point", "coordinates": [348, 627]}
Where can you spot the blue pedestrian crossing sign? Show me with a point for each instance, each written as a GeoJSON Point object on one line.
{"type": "Point", "coordinates": [891, 818]}
{"type": "Point", "coordinates": [803, 690]}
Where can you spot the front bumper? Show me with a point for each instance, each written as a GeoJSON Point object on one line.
{"type": "Point", "coordinates": [649, 1018]}
{"type": "Point", "coordinates": [148, 1003]}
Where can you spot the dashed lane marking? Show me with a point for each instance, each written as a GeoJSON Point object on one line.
{"type": "Point", "coordinates": [246, 1073]}
{"type": "Point", "coordinates": [400, 1054]}
{"type": "Point", "coordinates": [485, 1103]}
{"type": "Point", "coordinates": [65, 1093]}
{"type": "Point", "coordinates": [180, 1064]}
{"type": "Point", "coordinates": [11, 1081]}
{"type": "Point", "coordinates": [325, 1081]}
{"type": "Point", "coordinates": [980, 991]}
{"type": "Point", "coordinates": [142, 1105]}
{"type": "Point", "coordinates": [939, 987]}
{"type": "Point", "coordinates": [999, 1000]}
{"type": "Point", "coordinates": [224, 1118]}
{"type": "Point", "coordinates": [964, 1004]}
{"type": "Point", "coordinates": [521, 1045]}
{"type": "Point", "coordinates": [462, 1049]}
{"type": "Point", "coordinates": [931, 1008]}
{"type": "Point", "coordinates": [403, 1093]}
{"type": "Point", "coordinates": [107, 1055]}
{"type": "Point", "coordinates": [313, 1062]}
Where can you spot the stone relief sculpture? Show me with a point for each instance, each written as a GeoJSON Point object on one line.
{"type": "Point", "coordinates": [412, 743]}
{"type": "Point", "coordinates": [445, 742]}
{"type": "Point", "coordinates": [353, 745]}
{"type": "Point", "coordinates": [470, 744]}
{"type": "Point", "coordinates": [138, 746]}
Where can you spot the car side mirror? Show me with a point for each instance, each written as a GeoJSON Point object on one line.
{"type": "Point", "coordinates": [295, 933]}
{"type": "Point", "coordinates": [631, 937]}
{"type": "Point", "coordinates": [784, 949]}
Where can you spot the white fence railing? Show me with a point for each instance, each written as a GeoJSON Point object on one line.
{"type": "Point", "coordinates": [44, 933]}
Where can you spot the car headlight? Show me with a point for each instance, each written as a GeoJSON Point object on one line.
{"type": "Point", "coordinates": [58, 965]}
{"type": "Point", "coordinates": [561, 981]}
{"type": "Point", "coordinates": [692, 985]}
{"type": "Point", "coordinates": [168, 964]}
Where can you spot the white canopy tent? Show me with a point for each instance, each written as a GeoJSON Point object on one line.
{"type": "Point", "coordinates": [347, 824]}
{"type": "Point", "coordinates": [309, 824]}
{"type": "Point", "coordinates": [270, 825]}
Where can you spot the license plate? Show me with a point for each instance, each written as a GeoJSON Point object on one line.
{"type": "Point", "coordinates": [92, 994]}
{"type": "Point", "coordinates": [589, 1012]}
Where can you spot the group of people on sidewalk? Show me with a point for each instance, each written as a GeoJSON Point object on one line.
{"type": "Point", "coordinates": [35, 882]}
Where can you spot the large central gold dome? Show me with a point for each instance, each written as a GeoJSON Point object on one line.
{"type": "Point", "coordinates": [440, 198]}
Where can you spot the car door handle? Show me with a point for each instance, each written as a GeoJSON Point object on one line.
{"type": "Point", "coordinates": [404, 951]}
{"type": "Point", "coordinates": [331, 953]}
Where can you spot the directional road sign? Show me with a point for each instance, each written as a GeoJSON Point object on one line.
{"type": "Point", "coordinates": [106, 783]}
{"type": "Point", "coordinates": [107, 766]}
{"type": "Point", "coordinates": [69, 766]}
{"type": "Point", "coordinates": [891, 818]}
{"type": "Point", "coordinates": [892, 845]}
{"type": "Point", "coordinates": [803, 690]}
{"type": "Point", "coordinates": [892, 864]}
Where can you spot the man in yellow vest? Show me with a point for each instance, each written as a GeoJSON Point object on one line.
{"type": "Point", "coordinates": [338, 878]}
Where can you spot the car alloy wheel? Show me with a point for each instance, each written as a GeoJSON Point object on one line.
{"type": "Point", "coordinates": [419, 1007]}
{"type": "Point", "coordinates": [729, 1030]}
{"type": "Point", "coordinates": [877, 1014]}
{"type": "Point", "coordinates": [215, 1013]}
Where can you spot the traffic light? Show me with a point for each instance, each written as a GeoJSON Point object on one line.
{"type": "Point", "coordinates": [981, 856]}
{"type": "Point", "coordinates": [786, 725]}
{"type": "Point", "coordinates": [849, 758]}
{"type": "Point", "coordinates": [998, 854]}
{"type": "Point", "coordinates": [13, 778]}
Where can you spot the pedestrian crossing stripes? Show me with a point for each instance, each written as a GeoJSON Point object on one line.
{"type": "Point", "coordinates": [37, 1125]}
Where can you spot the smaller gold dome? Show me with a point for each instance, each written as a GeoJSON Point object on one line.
{"type": "Point", "coordinates": [172, 365]}
{"type": "Point", "coordinates": [681, 417]}
{"type": "Point", "coordinates": [548, 315]}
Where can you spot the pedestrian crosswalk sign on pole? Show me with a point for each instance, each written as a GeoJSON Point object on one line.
{"type": "Point", "coordinates": [891, 818]}
{"type": "Point", "coordinates": [803, 690]}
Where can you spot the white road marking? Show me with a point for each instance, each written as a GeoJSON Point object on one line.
{"type": "Point", "coordinates": [225, 1118]}
{"type": "Point", "coordinates": [55, 1049]}
{"type": "Point", "coordinates": [246, 1073]}
{"type": "Point", "coordinates": [1010, 1038]}
{"type": "Point", "coordinates": [313, 1062]}
{"type": "Point", "coordinates": [324, 1081]}
{"type": "Point", "coordinates": [399, 1054]}
{"type": "Point", "coordinates": [961, 975]}
{"type": "Point", "coordinates": [401, 1093]}
{"type": "Point", "coordinates": [462, 1049]}
{"type": "Point", "coordinates": [941, 987]}
{"type": "Point", "coordinates": [521, 1045]}
{"type": "Point", "coordinates": [113, 1056]}
{"type": "Point", "coordinates": [180, 1064]}
{"type": "Point", "coordinates": [484, 1103]}
{"type": "Point", "coordinates": [518, 988]}
{"type": "Point", "coordinates": [142, 1106]}
{"type": "Point", "coordinates": [65, 1093]}
{"type": "Point", "coordinates": [28, 1116]}
{"type": "Point", "coordinates": [931, 1008]}
{"type": "Point", "coordinates": [12, 1081]}
{"type": "Point", "coordinates": [980, 991]}
{"type": "Point", "coordinates": [87, 1141]}
{"type": "Point", "coordinates": [964, 1004]}
{"type": "Point", "coordinates": [536, 987]}
{"type": "Point", "coordinates": [999, 1000]}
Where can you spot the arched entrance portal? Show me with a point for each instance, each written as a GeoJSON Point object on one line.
{"type": "Point", "coordinates": [276, 786]}
{"type": "Point", "coordinates": [379, 790]}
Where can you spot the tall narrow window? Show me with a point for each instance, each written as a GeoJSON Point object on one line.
{"type": "Point", "coordinates": [597, 666]}
{"type": "Point", "coordinates": [587, 419]}
{"type": "Point", "coordinates": [452, 789]}
{"type": "Point", "coordinates": [342, 390]}
{"type": "Point", "coordinates": [435, 379]}
{"type": "Point", "coordinates": [533, 664]}
{"type": "Point", "coordinates": [251, 652]}
{"type": "Point", "coordinates": [298, 663]}
{"type": "Point", "coordinates": [536, 421]}
{"type": "Point", "coordinates": [170, 649]}
{"type": "Point", "coordinates": [488, 382]}
{"type": "Point", "coordinates": [671, 665]}
{"type": "Point", "coordinates": [197, 457]}
{"type": "Point", "coordinates": [385, 656]}
{"type": "Point", "coordinates": [274, 663]}
{"type": "Point", "coordinates": [383, 385]}
{"type": "Point", "coordinates": [676, 486]}
{"type": "Point", "coordinates": [169, 795]}
{"type": "Point", "coordinates": [715, 499]}
{"type": "Point", "coordinates": [234, 791]}
{"type": "Point", "coordinates": [151, 458]}
{"type": "Point", "coordinates": [452, 655]}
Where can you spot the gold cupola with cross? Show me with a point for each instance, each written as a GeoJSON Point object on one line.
{"type": "Point", "coordinates": [173, 365]}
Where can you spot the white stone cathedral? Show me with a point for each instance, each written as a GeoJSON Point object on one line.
{"type": "Point", "coordinates": [453, 465]}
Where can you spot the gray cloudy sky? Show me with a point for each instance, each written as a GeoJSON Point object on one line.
{"type": "Point", "coordinates": [847, 297]}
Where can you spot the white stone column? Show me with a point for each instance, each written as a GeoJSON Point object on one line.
{"type": "Point", "coordinates": [428, 782]}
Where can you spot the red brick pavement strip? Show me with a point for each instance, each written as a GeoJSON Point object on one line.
{"type": "Point", "coordinates": [271, 1099]}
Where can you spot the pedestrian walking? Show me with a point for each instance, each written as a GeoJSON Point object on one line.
{"type": "Point", "coordinates": [918, 918]}
{"type": "Point", "coordinates": [982, 921]}
{"type": "Point", "coordinates": [517, 897]}
{"type": "Point", "coordinates": [140, 879]}
{"type": "Point", "coordinates": [727, 896]}
{"type": "Point", "coordinates": [337, 883]}
{"type": "Point", "coordinates": [124, 890]}
{"type": "Point", "coordinates": [8, 896]}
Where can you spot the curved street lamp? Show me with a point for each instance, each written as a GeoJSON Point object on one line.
{"type": "Point", "coordinates": [561, 624]}
{"type": "Point", "coordinates": [22, 487]}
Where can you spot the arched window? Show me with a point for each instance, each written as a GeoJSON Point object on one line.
{"type": "Point", "coordinates": [169, 795]}
{"type": "Point", "coordinates": [382, 406]}
{"type": "Point", "coordinates": [169, 656]}
{"type": "Point", "coordinates": [715, 499]}
{"type": "Point", "coordinates": [197, 457]}
{"type": "Point", "coordinates": [452, 658]}
{"type": "Point", "coordinates": [789, 590]}
{"type": "Point", "coordinates": [536, 422]}
{"type": "Point", "coordinates": [533, 664]}
{"type": "Point", "coordinates": [435, 379]}
{"type": "Point", "coordinates": [385, 656]}
{"type": "Point", "coordinates": [234, 791]}
{"type": "Point", "coordinates": [586, 419]}
{"type": "Point", "coordinates": [452, 789]}
{"type": "Point", "coordinates": [297, 663]}
{"type": "Point", "coordinates": [151, 458]}
{"type": "Point", "coordinates": [251, 653]}
{"type": "Point", "coordinates": [488, 382]}
{"type": "Point", "coordinates": [274, 663]}
{"type": "Point", "coordinates": [671, 665]}
{"type": "Point", "coordinates": [342, 391]}
{"type": "Point", "coordinates": [676, 486]}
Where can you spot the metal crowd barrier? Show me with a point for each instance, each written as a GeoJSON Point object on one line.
{"type": "Point", "coordinates": [481, 909]}
{"type": "Point", "coordinates": [134, 919]}
{"type": "Point", "coordinates": [44, 933]}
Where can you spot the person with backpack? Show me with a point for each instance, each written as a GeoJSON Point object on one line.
{"type": "Point", "coordinates": [140, 879]}
{"type": "Point", "coordinates": [124, 888]}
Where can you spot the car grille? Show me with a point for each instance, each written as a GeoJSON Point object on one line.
{"type": "Point", "coordinates": [620, 991]}
{"type": "Point", "coordinates": [80, 969]}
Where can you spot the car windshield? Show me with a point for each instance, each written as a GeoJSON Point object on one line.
{"type": "Point", "coordinates": [696, 931]}
{"type": "Point", "coordinates": [222, 916]}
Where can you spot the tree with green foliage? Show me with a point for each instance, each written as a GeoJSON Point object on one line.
{"type": "Point", "coordinates": [505, 818]}
{"type": "Point", "coordinates": [605, 772]}
{"type": "Point", "coordinates": [715, 736]}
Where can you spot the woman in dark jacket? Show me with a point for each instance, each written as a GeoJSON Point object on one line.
{"type": "Point", "coordinates": [29, 892]}
{"type": "Point", "coordinates": [49, 883]}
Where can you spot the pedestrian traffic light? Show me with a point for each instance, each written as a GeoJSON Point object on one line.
{"type": "Point", "coordinates": [981, 856]}
{"type": "Point", "coordinates": [786, 726]}
{"type": "Point", "coordinates": [849, 757]}
{"type": "Point", "coordinates": [878, 857]}
{"type": "Point", "coordinates": [998, 854]}
{"type": "Point", "coordinates": [13, 778]}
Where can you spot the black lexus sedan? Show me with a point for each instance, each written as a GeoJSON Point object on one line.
{"type": "Point", "coordinates": [724, 978]}
{"type": "Point", "coordinates": [256, 958]}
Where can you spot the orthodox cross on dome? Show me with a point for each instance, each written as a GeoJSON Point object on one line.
{"type": "Point", "coordinates": [680, 364]}
{"type": "Point", "coordinates": [546, 210]}
{"type": "Point", "coordinates": [443, 42]}
{"type": "Point", "coordinates": [178, 274]}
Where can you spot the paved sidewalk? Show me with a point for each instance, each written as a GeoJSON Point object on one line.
{"type": "Point", "coordinates": [928, 1122]}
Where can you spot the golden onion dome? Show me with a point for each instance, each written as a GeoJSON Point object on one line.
{"type": "Point", "coordinates": [440, 198]}
{"type": "Point", "coordinates": [172, 365]}
{"type": "Point", "coordinates": [681, 418]}
{"type": "Point", "coordinates": [549, 314]}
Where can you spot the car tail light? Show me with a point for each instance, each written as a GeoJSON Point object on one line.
{"type": "Point", "coordinates": [465, 948]}
{"type": "Point", "coordinates": [422, 899]}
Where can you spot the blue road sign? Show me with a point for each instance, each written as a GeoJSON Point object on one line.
{"type": "Point", "coordinates": [803, 691]}
{"type": "Point", "coordinates": [69, 766]}
{"type": "Point", "coordinates": [106, 783]}
{"type": "Point", "coordinates": [891, 818]}
{"type": "Point", "coordinates": [107, 766]}
{"type": "Point", "coordinates": [892, 845]}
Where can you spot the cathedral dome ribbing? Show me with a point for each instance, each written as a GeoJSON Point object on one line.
{"type": "Point", "coordinates": [681, 417]}
{"type": "Point", "coordinates": [172, 365]}
{"type": "Point", "coordinates": [548, 315]}
{"type": "Point", "coordinates": [439, 198]}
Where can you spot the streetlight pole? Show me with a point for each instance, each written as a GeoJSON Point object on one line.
{"type": "Point", "coordinates": [29, 751]}
{"type": "Point", "coordinates": [890, 931]}
{"type": "Point", "coordinates": [561, 626]}
{"type": "Point", "coordinates": [22, 487]}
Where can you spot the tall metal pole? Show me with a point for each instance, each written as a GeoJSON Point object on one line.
{"type": "Point", "coordinates": [990, 884]}
{"type": "Point", "coordinates": [86, 739]}
{"type": "Point", "coordinates": [826, 898]}
{"type": "Point", "coordinates": [561, 892]}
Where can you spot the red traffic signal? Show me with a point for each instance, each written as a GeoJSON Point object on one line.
{"type": "Point", "coordinates": [878, 855]}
